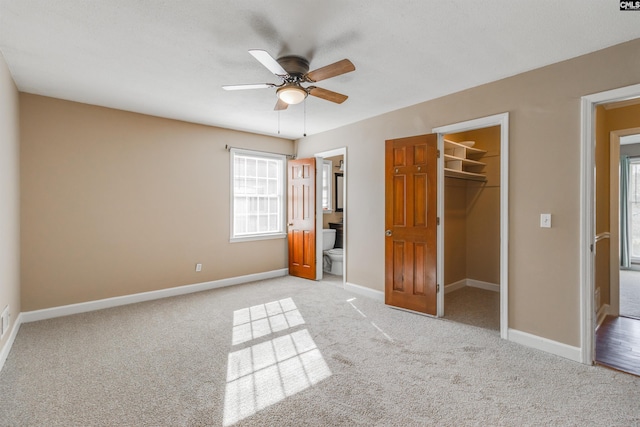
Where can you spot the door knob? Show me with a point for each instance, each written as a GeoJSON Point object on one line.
{"type": "Point", "coordinates": [388, 233]}
{"type": "Point", "coordinates": [290, 224]}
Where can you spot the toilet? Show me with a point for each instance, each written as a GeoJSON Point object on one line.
{"type": "Point", "coordinates": [332, 259]}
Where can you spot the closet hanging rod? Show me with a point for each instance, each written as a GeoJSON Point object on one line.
{"type": "Point", "coordinates": [289, 156]}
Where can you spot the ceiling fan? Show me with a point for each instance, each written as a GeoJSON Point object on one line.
{"type": "Point", "coordinates": [293, 71]}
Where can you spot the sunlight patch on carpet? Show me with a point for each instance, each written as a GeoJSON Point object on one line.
{"type": "Point", "coordinates": [264, 319]}
{"type": "Point", "coordinates": [266, 373]}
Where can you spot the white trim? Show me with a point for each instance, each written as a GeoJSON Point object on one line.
{"type": "Point", "coordinates": [83, 307]}
{"type": "Point", "coordinates": [602, 314]}
{"type": "Point", "coordinates": [501, 120]}
{"type": "Point", "coordinates": [342, 151]}
{"type": "Point", "coordinates": [440, 228]}
{"type": "Point", "coordinates": [472, 283]}
{"type": "Point", "coordinates": [283, 158]}
{"type": "Point", "coordinates": [544, 344]}
{"type": "Point", "coordinates": [455, 286]}
{"type": "Point", "coordinates": [6, 349]}
{"type": "Point", "coordinates": [494, 287]}
{"type": "Point", "coordinates": [253, 237]}
{"type": "Point", "coordinates": [615, 140]}
{"type": "Point", "coordinates": [587, 214]}
{"type": "Point", "coordinates": [319, 223]}
{"type": "Point", "coordinates": [364, 291]}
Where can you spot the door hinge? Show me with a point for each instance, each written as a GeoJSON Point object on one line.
{"type": "Point", "coordinates": [437, 220]}
{"type": "Point", "coordinates": [438, 153]}
{"type": "Point", "coordinates": [437, 288]}
{"type": "Point", "coordinates": [591, 247]}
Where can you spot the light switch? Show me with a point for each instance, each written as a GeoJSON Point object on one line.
{"type": "Point", "coordinates": [545, 220]}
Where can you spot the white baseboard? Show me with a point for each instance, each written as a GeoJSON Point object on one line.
{"type": "Point", "coordinates": [4, 352]}
{"type": "Point", "coordinates": [455, 286]}
{"type": "Point", "coordinates": [483, 285]}
{"type": "Point", "coordinates": [364, 291]}
{"type": "Point", "coordinates": [604, 310]}
{"type": "Point", "coordinates": [545, 344]}
{"type": "Point", "coordinates": [66, 310]}
{"type": "Point", "coordinates": [472, 283]}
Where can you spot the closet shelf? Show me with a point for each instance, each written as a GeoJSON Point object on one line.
{"type": "Point", "coordinates": [460, 161]}
{"type": "Point", "coordinates": [452, 173]}
{"type": "Point", "coordinates": [459, 150]}
{"type": "Point", "coordinates": [449, 158]}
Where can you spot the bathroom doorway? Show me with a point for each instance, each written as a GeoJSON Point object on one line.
{"type": "Point", "coordinates": [331, 213]}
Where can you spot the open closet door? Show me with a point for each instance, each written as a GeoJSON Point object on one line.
{"type": "Point", "coordinates": [301, 217]}
{"type": "Point", "coordinates": [411, 223]}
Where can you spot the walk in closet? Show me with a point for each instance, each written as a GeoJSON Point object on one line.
{"type": "Point", "coordinates": [472, 227]}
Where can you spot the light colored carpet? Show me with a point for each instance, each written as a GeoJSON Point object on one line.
{"type": "Point", "coordinates": [630, 293]}
{"type": "Point", "coordinates": [473, 306]}
{"type": "Point", "coordinates": [290, 352]}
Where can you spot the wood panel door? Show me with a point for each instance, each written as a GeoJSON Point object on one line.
{"type": "Point", "coordinates": [301, 217]}
{"type": "Point", "coordinates": [411, 223]}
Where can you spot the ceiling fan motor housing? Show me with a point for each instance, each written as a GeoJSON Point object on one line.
{"type": "Point", "coordinates": [296, 66]}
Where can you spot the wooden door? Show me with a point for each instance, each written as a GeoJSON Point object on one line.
{"type": "Point", "coordinates": [301, 217]}
{"type": "Point", "coordinates": [411, 223]}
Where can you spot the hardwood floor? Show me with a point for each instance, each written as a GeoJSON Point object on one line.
{"type": "Point", "coordinates": [618, 344]}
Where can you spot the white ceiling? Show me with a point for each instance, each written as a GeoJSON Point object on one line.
{"type": "Point", "coordinates": [169, 58]}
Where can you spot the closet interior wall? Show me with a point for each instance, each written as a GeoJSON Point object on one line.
{"type": "Point", "coordinates": [472, 216]}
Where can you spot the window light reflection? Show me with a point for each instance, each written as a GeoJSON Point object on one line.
{"type": "Point", "coordinates": [261, 320]}
{"type": "Point", "coordinates": [266, 373]}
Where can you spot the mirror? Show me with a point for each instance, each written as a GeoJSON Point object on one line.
{"type": "Point", "coordinates": [339, 192]}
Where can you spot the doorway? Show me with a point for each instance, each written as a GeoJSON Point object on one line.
{"type": "Point", "coordinates": [461, 132]}
{"type": "Point", "coordinates": [331, 214]}
{"type": "Point", "coordinates": [628, 284]}
{"type": "Point", "coordinates": [472, 227]}
{"type": "Point", "coordinates": [599, 253]}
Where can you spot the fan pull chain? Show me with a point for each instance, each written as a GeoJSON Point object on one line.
{"type": "Point", "coordinates": [278, 122]}
{"type": "Point", "coordinates": [305, 119]}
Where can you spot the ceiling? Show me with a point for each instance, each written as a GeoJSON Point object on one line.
{"type": "Point", "coordinates": [169, 58]}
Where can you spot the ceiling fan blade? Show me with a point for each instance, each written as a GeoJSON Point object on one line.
{"type": "Point", "coordinates": [249, 86]}
{"type": "Point", "coordinates": [280, 105]}
{"type": "Point", "coordinates": [336, 97]}
{"type": "Point", "coordinates": [331, 70]}
{"type": "Point", "coordinates": [268, 61]}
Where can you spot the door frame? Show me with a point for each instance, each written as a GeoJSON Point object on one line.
{"type": "Point", "coordinates": [613, 308]}
{"type": "Point", "coordinates": [501, 120]}
{"type": "Point", "coordinates": [587, 212]}
{"type": "Point", "coordinates": [319, 214]}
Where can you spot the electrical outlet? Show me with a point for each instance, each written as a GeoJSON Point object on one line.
{"type": "Point", "coordinates": [198, 267]}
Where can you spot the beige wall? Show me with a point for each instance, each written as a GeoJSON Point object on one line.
{"type": "Point", "coordinates": [455, 230]}
{"type": "Point", "coordinates": [116, 203]}
{"type": "Point", "coordinates": [544, 162]}
{"type": "Point", "coordinates": [472, 215]}
{"type": "Point", "coordinates": [482, 209]}
{"type": "Point", "coordinates": [9, 198]}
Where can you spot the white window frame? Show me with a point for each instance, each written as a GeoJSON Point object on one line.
{"type": "Point", "coordinates": [633, 161]}
{"type": "Point", "coordinates": [281, 232]}
{"type": "Point", "coordinates": [327, 174]}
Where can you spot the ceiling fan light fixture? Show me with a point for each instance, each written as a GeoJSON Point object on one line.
{"type": "Point", "coordinates": [292, 94]}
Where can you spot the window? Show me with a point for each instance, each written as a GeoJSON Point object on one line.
{"type": "Point", "coordinates": [257, 195]}
{"type": "Point", "coordinates": [634, 208]}
{"type": "Point", "coordinates": [327, 165]}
